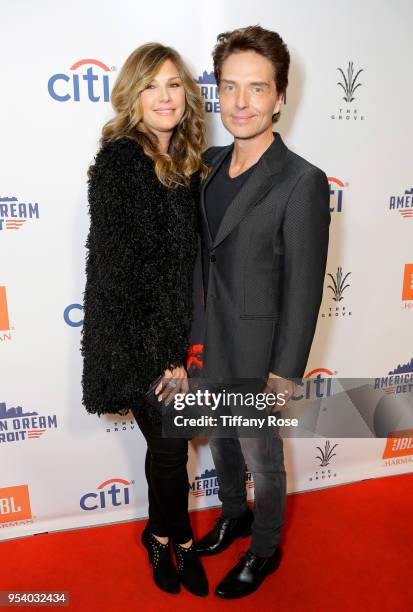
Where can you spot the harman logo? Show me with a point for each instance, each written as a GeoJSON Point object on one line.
{"type": "Point", "coordinates": [407, 291]}
{"type": "Point", "coordinates": [15, 506]}
{"type": "Point", "coordinates": [325, 457]}
{"type": "Point", "coordinates": [399, 380]}
{"type": "Point", "coordinates": [14, 214]}
{"type": "Point", "coordinates": [399, 448]}
{"type": "Point", "coordinates": [92, 82]}
{"type": "Point", "coordinates": [338, 284]}
{"type": "Point", "coordinates": [117, 494]}
{"type": "Point", "coordinates": [336, 194]}
{"type": "Point", "coordinates": [17, 425]}
{"type": "Point", "coordinates": [206, 484]}
{"type": "Point", "coordinates": [349, 83]}
{"type": "Point", "coordinates": [316, 385]}
{"type": "Point", "coordinates": [403, 203]}
{"type": "Point", "coordinates": [209, 91]}
{"type": "Point", "coordinates": [5, 326]}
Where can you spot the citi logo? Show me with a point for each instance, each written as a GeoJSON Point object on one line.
{"type": "Point", "coordinates": [72, 316]}
{"type": "Point", "coordinates": [315, 385]}
{"type": "Point", "coordinates": [111, 493]}
{"type": "Point", "coordinates": [91, 82]}
{"type": "Point", "coordinates": [336, 194]}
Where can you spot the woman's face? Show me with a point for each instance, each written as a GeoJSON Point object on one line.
{"type": "Point", "coordinates": [163, 101]}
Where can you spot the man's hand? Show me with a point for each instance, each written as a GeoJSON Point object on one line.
{"type": "Point", "coordinates": [173, 381]}
{"type": "Point", "coordinates": [277, 385]}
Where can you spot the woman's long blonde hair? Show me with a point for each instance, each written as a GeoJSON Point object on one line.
{"type": "Point", "coordinates": [188, 139]}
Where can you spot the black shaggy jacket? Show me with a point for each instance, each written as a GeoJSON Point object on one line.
{"type": "Point", "coordinates": [141, 250]}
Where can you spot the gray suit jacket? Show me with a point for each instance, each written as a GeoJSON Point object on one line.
{"type": "Point", "coordinates": [265, 269]}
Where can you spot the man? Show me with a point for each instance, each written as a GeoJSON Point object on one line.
{"type": "Point", "coordinates": [265, 217]}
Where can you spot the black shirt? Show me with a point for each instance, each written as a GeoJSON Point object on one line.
{"type": "Point", "coordinates": [219, 194]}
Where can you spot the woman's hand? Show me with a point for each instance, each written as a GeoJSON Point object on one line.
{"type": "Point", "coordinates": [174, 381]}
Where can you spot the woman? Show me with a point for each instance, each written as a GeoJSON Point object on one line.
{"type": "Point", "coordinates": [138, 297]}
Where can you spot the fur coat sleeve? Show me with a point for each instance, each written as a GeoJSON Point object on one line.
{"type": "Point", "coordinates": [138, 293]}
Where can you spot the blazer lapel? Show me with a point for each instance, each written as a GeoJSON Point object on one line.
{"type": "Point", "coordinates": [254, 189]}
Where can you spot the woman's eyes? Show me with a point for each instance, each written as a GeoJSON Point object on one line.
{"type": "Point", "coordinates": [152, 86]}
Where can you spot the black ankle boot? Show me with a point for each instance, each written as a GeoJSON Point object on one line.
{"type": "Point", "coordinates": [190, 570]}
{"type": "Point", "coordinates": [164, 572]}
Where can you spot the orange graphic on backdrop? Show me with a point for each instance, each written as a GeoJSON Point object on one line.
{"type": "Point", "coordinates": [4, 312]}
{"type": "Point", "coordinates": [399, 444]}
{"type": "Point", "coordinates": [15, 504]}
{"type": "Point", "coordinates": [408, 282]}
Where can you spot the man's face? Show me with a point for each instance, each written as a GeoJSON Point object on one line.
{"type": "Point", "coordinates": [247, 93]}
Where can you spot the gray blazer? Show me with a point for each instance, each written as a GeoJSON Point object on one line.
{"type": "Point", "coordinates": [265, 269]}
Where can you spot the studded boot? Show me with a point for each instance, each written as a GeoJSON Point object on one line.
{"type": "Point", "coordinates": [164, 572]}
{"type": "Point", "coordinates": [190, 570]}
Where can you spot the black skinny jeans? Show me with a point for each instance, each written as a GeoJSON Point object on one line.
{"type": "Point", "coordinates": [168, 486]}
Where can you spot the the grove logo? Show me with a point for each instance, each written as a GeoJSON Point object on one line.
{"type": "Point", "coordinates": [325, 457]}
{"type": "Point", "coordinates": [81, 82]}
{"type": "Point", "coordinates": [111, 493]}
{"type": "Point", "coordinates": [349, 83]}
{"type": "Point", "coordinates": [337, 285]}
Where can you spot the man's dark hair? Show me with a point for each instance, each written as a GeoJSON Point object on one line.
{"type": "Point", "coordinates": [255, 38]}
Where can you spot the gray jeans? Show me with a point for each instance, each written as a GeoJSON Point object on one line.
{"type": "Point", "coordinates": [264, 457]}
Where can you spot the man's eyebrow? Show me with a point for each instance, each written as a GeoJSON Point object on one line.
{"type": "Point", "coordinates": [251, 83]}
{"type": "Point", "coordinates": [260, 83]}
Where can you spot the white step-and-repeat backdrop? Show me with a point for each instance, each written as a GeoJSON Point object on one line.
{"type": "Point", "coordinates": [348, 111]}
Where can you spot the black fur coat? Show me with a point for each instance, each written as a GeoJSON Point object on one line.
{"type": "Point", "coordinates": [141, 249]}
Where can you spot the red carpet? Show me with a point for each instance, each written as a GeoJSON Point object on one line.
{"type": "Point", "coordinates": [345, 548]}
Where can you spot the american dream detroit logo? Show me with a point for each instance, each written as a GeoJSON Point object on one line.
{"type": "Point", "coordinates": [14, 214]}
{"type": "Point", "coordinates": [206, 484]}
{"type": "Point", "coordinates": [209, 91]}
{"type": "Point", "coordinates": [81, 83]}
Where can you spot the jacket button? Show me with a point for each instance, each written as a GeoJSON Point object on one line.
{"type": "Point", "coordinates": [213, 258]}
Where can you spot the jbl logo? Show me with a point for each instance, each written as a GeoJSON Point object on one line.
{"type": "Point", "coordinates": [15, 504]}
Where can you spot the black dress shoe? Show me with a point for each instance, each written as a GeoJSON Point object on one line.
{"type": "Point", "coordinates": [226, 530]}
{"type": "Point", "coordinates": [247, 575]}
{"type": "Point", "coordinates": [191, 572]}
{"type": "Point", "coordinates": [164, 573]}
